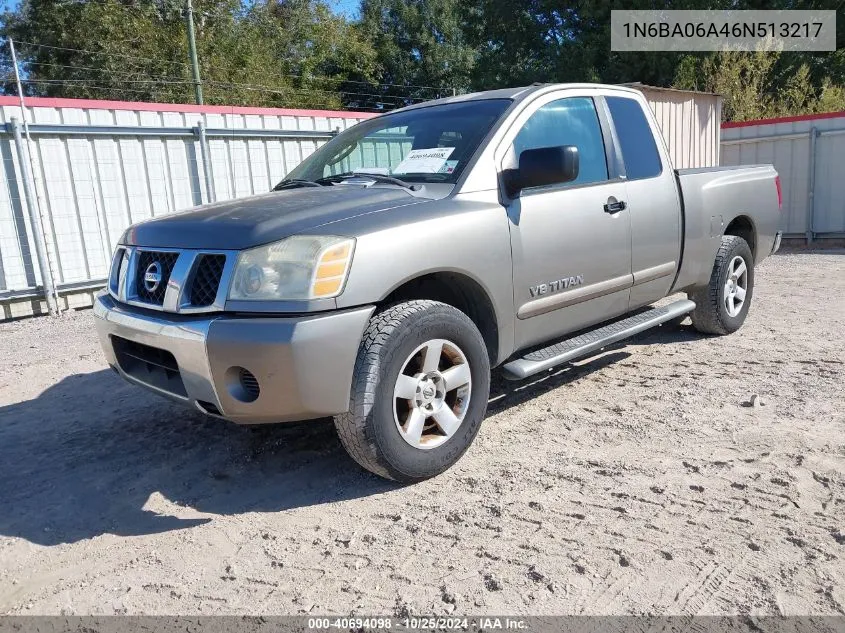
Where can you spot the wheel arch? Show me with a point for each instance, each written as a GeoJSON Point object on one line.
{"type": "Point", "coordinates": [743, 226]}
{"type": "Point", "coordinates": [459, 290]}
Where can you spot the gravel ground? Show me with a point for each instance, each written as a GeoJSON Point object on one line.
{"type": "Point", "coordinates": [643, 480]}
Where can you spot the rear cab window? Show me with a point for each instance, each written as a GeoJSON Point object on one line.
{"type": "Point", "coordinates": [636, 140]}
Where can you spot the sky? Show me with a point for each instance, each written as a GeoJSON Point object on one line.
{"type": "Point", "coordinates": [349, 8]}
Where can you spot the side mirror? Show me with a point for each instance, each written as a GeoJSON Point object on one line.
{"type": "Point", "coordinates": [542, 166]}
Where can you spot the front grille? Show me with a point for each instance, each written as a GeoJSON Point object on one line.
{"type": "Point", "coordinates": [149, 365]}
{"type": "Point", "coordinates": [209, 271]}
{"type": "Point", "coordinates": [119, 263]}
{"type": "Point", "coordinates": [155, 293]}
{"type": "Point", "coordinates": [141, 276]}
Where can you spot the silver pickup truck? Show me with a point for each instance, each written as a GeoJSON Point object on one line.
{"type": "Point", "coordinates": [385, 276]}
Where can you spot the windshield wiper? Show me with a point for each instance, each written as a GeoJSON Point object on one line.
{"type": "Point", "coordinates": [377, 177]}
{"type": "Point", "coordinates": [429, 176]}
{"type": "Point", "coordinates": [296, 182]}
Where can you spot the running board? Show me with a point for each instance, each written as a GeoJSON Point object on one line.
{"type": "Point", "coordinates": [582, 345]}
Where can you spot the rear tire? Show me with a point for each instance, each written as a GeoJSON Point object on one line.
{"type": "Point", "coordinates": [721, 307]}
{"type": "Point", "coordinates": [419, 391]}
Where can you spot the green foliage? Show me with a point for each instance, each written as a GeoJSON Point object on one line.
{"type": "Point", "coordinates": [831, 98]}
{"type": "Point", "coordinates": [420, 45]}
{"type": "Point", "coordinates": [756, 85]}
{"type": "Point", "coordinates": [271, 52]}
{"type": "Point", "coordinates": [301, 53]}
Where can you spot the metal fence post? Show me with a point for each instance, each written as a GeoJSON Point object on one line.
{"type": "Point", "coordinates": [811, 187]}
{"type": "Point", "coordinates": [35, 221]}
{"type": "Point", "coordinates": [205, 152]}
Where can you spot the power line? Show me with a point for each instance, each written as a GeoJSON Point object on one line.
{"type": "Point", "coordinates": [101, 70]}
{"type": "Point", "coordinates": [111, 3]}
{"type": "Point", "coordinates": [228, 84]}
{"type": "Point", "coordinates": [123, 81]}
{"type": "Point", "coordinates": [89, 52]}
{"type": "Point", "coordinates": [115, 76]}
{"type": "Point", "coordinates": [186, 64]}
{"type": "Point", "coordinates": [122, 91]}
{"type": "Point", "coordinates": [280, 90]}
{"type": "Point", "coordinates": [170, 79]}
{"type": "Point", "coordinates": [77, 83]}
{"type": "Point", "coordinates": [136, 77]}
{"type": "Point", "coordinates": [60, 82]}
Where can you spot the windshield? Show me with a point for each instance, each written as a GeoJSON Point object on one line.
{"type": "Point", "coordinates": [431, 144]}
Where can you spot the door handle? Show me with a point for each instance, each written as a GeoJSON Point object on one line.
{"type": "Point", "coordinates": [615, 206]}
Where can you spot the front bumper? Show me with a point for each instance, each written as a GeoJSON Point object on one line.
{"type": "Point", "coordinates": [300, 367]}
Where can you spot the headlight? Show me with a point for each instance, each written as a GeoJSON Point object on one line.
{"type": "Point", "coordinates": [301, 267]}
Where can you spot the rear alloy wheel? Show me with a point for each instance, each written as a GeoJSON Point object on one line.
{"type": "Point", "coordinates": [419, 392]}
{"type": "Point", "coordinates": [721, 306]}
{"type": "Point", "coordinates": [736, 286]}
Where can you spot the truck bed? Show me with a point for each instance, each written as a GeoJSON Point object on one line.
{"type": "Point", "coordinates": [714, 197]}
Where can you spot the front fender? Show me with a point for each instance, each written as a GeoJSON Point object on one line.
{"type": "Point", "coordinates": [468, 235]}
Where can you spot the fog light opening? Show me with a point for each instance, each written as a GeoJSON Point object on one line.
{"type": "Point", "coordinates": [242, 384]}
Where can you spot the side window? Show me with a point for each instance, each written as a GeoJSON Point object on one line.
{"type": "Point", "coordinates": [571, 121]}
{"type": "Point", "coordinates": [639, 151]}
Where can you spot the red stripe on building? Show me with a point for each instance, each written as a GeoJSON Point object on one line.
{"type": "Point", "coordinates": [785, 119]}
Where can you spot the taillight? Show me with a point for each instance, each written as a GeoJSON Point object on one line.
{"type": "Point", "coordinates": [780, 194]}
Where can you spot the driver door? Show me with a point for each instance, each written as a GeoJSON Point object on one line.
{"type": "Point", "coordinates": [571, 243]}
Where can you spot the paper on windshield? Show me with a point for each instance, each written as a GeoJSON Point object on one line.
{"type": "Point", "coordinates": [424, 161]}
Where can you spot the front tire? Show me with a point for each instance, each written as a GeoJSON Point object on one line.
{"type": "Point", "coordinates": [419, 392]}
{"type": "Point", "coordinates": [722, 306]}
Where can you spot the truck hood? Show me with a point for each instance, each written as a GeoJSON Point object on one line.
{"type": "Point", "coordinates": [247, 222]}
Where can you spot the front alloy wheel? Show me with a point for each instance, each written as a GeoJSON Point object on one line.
{"type": "Point", "coordinates": [419, 393]}
{"type": "Point", "coordinates": [432, 394]}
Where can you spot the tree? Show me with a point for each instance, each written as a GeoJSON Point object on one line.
{"type": "Point", "coordinates": [299, 53]}
{"type": "Point", "coordinates": [525, 41]}
{"type": "Point", "coordinates": [109, 33]}
{"type": "Point", "coordinates": [270, 52]}
{"type": "Point", "coordinates": [309, 51]}
{"type": "Point", "coordinates": [420, 46]}
{"type": "Point", "coordinates": [753, 88]}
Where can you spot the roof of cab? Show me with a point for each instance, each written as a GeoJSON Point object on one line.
{"type": "Point", "coordinates": [514, 93]}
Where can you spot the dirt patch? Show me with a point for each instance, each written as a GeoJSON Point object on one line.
{"type": "Point", "coordinates": [648, 479]}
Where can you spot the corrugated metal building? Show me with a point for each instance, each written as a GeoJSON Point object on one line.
{"type": "Point", "coordinates": [809, 154]}
{"type": "Point", "coordinates": [689, 122]}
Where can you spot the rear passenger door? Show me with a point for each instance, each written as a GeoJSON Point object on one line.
{"type": "Point", "coordinates": [570, 243]}
{"type": "Point", "coordinates": [653, 201]}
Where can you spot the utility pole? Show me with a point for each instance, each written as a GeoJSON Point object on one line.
{"type": "Point", "coordinates": [192, 47]}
